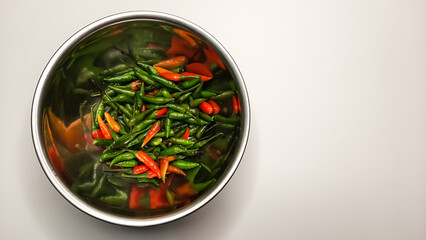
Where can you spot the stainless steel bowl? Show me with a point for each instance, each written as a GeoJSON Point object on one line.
{"type": "Point", "coordinates": [54, 84]}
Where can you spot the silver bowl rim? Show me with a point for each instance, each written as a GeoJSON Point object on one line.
{"type": "Point", "coordinates": [87, 31]}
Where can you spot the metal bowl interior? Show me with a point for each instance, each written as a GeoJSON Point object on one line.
{"type": "Point", "coordinates": [57, 125]}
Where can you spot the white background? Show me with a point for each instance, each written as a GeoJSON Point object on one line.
{"type": "Point", "coordinates": [337, 144]}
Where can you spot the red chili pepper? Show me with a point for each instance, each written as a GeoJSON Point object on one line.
{"type": "Point", "coordinates": [180, 47]}
{"type": "Point", "coordinates": [199, 68]}
{"type": "Point", "coordinates": [145, 159]}
{"type": "Point", "coordinates": [235, 104]}
{"type": "Point", "coordinates": [112, 123]}
{"type": "Point", "coordinates": [175, 77]}
{"type": "Point", "coordinates": [135, 195]}
{"type": "Point", "coordinates": [162, 70]}
{"type": "Point", "coordinates": [176, 170]}
{"type": "Point", "coordinates": [212, 57]}
{"type": "Point", "coordinates": [164, 164]}
{"type": "Point", "coordinates": [207, 108]}
{"type": "Point", "coordinates": [185, 35]}
{"type": "Point", "coordinates": [104, 128]}
{"type": "Point", "coordinates": [140, 169]}
{"type": "Point", "coordinates": [161, 112]}
{"type": "Point", "coordinates": [203, 78]}
{"type": "Point", "coordinates": [143, 107]}
{"type": "Point", "coordinates": [151, 133]}
{"type": "Point", "coordinates": [216, 108]}
{"type": "Point", "coordinates": [135, 85]}
{"type": "Point", "coordinates": [239, 104]}
{"type": "Point", "coordinates": [172, 62]}
{"type": "Point", "coordinates": [185, 135]}
{"type": "Point", "coordinates": [97, 134]}
{"type": "Point", "coordinates": [155, 92]}
{"type": "Point", "coordinates": [149, 95]}
{"type": "Point", "coordinates": [151, 174]}
{"type": "Point", "coordinates": [157, 198]}
{"type": "Point", "coordinates": [171, 158]}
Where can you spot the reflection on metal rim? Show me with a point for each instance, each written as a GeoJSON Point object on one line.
{"type": "Point", "coordinates": [37, 129]}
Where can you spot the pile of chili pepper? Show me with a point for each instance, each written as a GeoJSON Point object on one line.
{"type": "Point", "coordinates": [152, 118]}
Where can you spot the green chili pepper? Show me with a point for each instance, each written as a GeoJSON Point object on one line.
{"type": "Point", "coordinates": [184, 165]}
{"type": "Point", "coordinates": [139, 139]}
{"type": "Point", "coordinates": [143, 125]}
{"type": "Point", "coordinates": [144, 76]}
{"type": "Point", "coordinates": [155, 141]}
{"type": "Point", "coordinates": [151, 88]}
{"type": "Point", "coordinates": [228, 126]}
{"type": "Point", "coordinates": [129, 107]}
{"type": "Point", "coordinates": [163, 133]}
{"type": "Point", "coordinates": [178, 116]}
{"type": "Point", "coordinates": [188, 84]}
{"type": "Point", "coordinates": [122, 98]}
{"type": "Point", "coordinates": [201, 131]}
{"type": "Point", "coordinates": [119, 200]}
{"type": "Point", "coordinates": [223, 95]}
{"type": "Point", "coordinates": [98, 187]}
{"type": "Point", "coordinates": [177, 123]}
{"type": "Point", "coordinates": [124, 110]}
{"type": "Point", "coordinates": [170, 197]}
{"type": "Point", "coordinates": [136, 110]}
{"type": "Point", "coordinates": [148, 180]}
{"type": "Point", "coordinates": [128, 92]}
{"type": "Point", "coordinates": [166, 93]}
{"type": "Point", "coordinates": [114, 70]}
{"type": "Point", "coordinates": [100, 111]}
{"type": "Point", "coordinates": [176, 107]}
{"type": "Point", "coordinates": [180, 132]}
{"type": "Point", "coordinates": [154, 106]}
{"type": "Point", "coordinates": [94, 118]}
{"type": "Point", "coordinates": [117, 181]}
{"type": "Point", "coordinates": [152, 155]}
{"type": "Point", "coordinates": [197, 92]}
{"type": "Point", "coordinates": [207, 94]}
{"type": "Point", "coordinates": [102, 142]}
{"type": "Point", "coordinates": [177, 70]}
{"type": "Point", "coordinates": [165, 82]}
{"type": "Point", "coordinates": [167, 126]}
{"type": "Point", "coordinates": [113, 134]}
{"type": "Point", "coordinates": [115, 170]}
{"type": "Point", "coordinates": [176, 95]}
{"type": "Point", "coordinates": [193, 130]}
{"type": "Point", "coordinates": [107, 99]}
{"type": "Point", "coordinates": [172, 151]}
{"type": "Point", "coordinates": [107, 156]}
{"type": "Point", "coordinates": [123, 126]}
{"type": "Point", "coordinates": [232, 119]}
{"type": "Point", "coordinates": [204, 142]}
{"type": "Point", "coordinates": [122, 157]}
{"type": "Point", "coordinates": [123, 140]}
{"type": "Point", "coordinates": [197, 102]}
{"type": "Point", "coordinates": [206, 117]}
{"type": "Point", "coordinates": [120, 79]}
{"type": "Point", "coordinates": [139, 117]}
{"type": "Point", "coordinates": [156, 100]}
{"type": "Point", "coordinates": [180, 127]}
{"type": "Point", "coordinates": [181, 141]}
{"type": "Point", "coordinates": [150, 69]}
{"type": "Point", "coordinates": [129, 163]}
{"type": "Point", "coordinates": [184, 97]}
{"type": "Point", "coordinates": [139, 95]}
{"type": "Point", "coordinates": [195, 121]}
